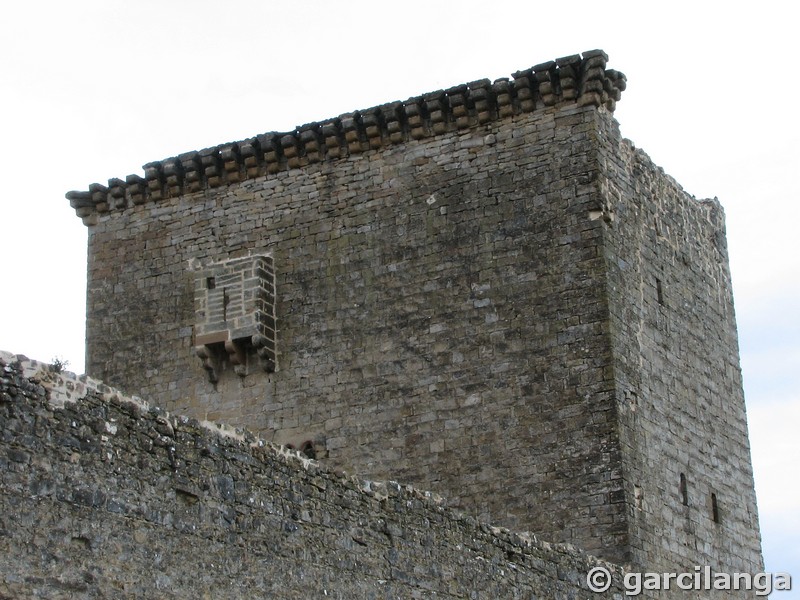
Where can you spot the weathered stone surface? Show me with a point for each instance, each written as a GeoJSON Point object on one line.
{"type": "Point", "coordinates": [103, 496]}
{"type": "Point", "coordinates": [440, 312]}
{"type": "Point", "coordinates": [679, 393]}
{"type": "Point", "coordinates": [482, 291]}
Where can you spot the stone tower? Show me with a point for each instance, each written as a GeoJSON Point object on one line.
{"type": "Point", "coordinates": [483, 291]}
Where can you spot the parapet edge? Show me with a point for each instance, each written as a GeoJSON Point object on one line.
{"type": "Point", "coordinates": [579, 79]}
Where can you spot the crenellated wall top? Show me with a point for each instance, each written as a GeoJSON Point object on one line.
{"type": "Point", "coordinates": [580, 79]}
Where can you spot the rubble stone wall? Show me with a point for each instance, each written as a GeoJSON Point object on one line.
{"type": "Point", "coordinates": [104, 496]}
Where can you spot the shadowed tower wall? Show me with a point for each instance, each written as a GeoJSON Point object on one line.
{"type": "Point", "coordinates": [425, 291]}
{"type": "Point", "coordinates": [681, 410]}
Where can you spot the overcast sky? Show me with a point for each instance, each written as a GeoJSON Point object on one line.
{"type": "Point", "coordinates": [91, 90]}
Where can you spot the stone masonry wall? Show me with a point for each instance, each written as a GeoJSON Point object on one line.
{"type": "Point", "coordinates": [689, 479]}
{"type": "Point", "coordinates": [481, 291]}
{"type": "Point", "coordinates": [103, 496]}
{"type": "Point", "coordinates": [440, 310]}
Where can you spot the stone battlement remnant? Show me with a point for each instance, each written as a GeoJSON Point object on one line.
{"type": "Point", "coordinates": [485, 292]}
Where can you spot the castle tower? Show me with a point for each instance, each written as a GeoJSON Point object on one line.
{"type": "Point", "coordinates": [483, 291]}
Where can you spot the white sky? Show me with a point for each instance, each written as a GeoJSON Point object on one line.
{"type": "Point", "coordinates": [91, 90]}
